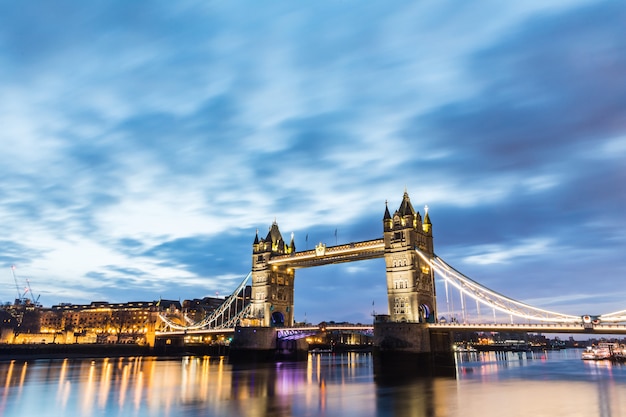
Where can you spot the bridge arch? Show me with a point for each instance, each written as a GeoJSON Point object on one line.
{"type": "Point", "coordinates": [278, 319]}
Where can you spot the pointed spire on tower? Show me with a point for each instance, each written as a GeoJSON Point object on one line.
{"type": "Point", "coordinates": [275, 238]}
{"type": "Point", "coordinates": [256, 237]}
{"type": "Point", "coordinates": [406, 208]}
{"type": "Point", "coordinates": [427, 225]}
{"type": "Point", "coordinates": [292, 244]}
{"type": "Point", "coordinates": [387, 216]}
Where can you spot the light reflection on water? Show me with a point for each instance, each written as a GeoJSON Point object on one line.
{"type": "Point", "coordinates": [487, 384]}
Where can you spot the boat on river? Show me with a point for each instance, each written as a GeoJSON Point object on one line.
{"type": "Point", "coordinates": [602, 351]}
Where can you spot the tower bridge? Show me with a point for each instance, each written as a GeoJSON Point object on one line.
{"type": "Point", "coordinates": [410, 280]}
{"type": "Point", "coordinates": [410, 267]}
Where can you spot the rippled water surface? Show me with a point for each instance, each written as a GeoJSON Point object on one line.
{"type": "Point", "coordinates": [539, 384]}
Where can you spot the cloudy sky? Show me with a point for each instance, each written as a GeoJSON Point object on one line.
{"type": "Point", "coordinates": [143, 143]}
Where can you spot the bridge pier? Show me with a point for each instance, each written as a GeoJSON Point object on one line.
{"type": "Point", "coordinates": [405, 348]}
{"type": "Point", "coordinates": [261, 344]}
{"type": "Point", "coordinates": [168, 345]}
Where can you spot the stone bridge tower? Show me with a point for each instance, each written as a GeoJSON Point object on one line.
{"type": "Point", "coordinates": [410, 281]}
{"type": "Point", "coordinates": [272, 285]}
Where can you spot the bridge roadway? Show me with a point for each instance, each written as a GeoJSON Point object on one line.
{"type": "Point", "coordinates": [616, 329]}
{"type": "Point", "coordinates": [287, 332]}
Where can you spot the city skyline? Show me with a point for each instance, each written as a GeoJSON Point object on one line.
{"type": "Point", "coordinates": [144, 144]}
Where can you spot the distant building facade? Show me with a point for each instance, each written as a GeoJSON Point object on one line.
{"type": "Point", "coordinates": [97, 322]}
{"type": "Point", "coordinates": [103, 322]}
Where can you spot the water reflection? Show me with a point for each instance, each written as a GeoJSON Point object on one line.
{"type": "Point", "coordinates": [324, 385]}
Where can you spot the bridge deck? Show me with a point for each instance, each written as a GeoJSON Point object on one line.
{"type": "Point", "coordinates": [616, 329]}
{"type": "Point", "coordinates": [532, 328]}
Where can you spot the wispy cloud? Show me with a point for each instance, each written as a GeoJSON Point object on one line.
{"type": "Point", "coordinates": [491, 254]}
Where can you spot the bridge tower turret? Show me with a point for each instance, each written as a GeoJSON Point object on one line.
{"type": "Point", "coordinates": [272, 285]}
{"type": "Point", "coordinates": [410, 281]}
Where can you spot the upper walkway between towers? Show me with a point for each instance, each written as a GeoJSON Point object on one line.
{"type": "Point", "coordinates": [325, 255]}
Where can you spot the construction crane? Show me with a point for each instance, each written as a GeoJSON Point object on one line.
{"type": "Point", "coordinates": [21, 296]}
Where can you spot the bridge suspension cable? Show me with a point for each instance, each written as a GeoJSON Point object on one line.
{"type": "Point", "coordinates": [222, 313]}
{"type": "Point", "coordinates": [615, 317]}
{"type": "Point", "coordinates": [491, 298]}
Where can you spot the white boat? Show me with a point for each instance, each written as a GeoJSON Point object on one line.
{"type": "Point", "coordinates": [600, 352]}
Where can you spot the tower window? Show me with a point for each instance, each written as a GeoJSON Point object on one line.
{"type": "Point", "coordinates": [401, 305]}
{"type": "Point", "coordinates": [400, 284]}
{"type": "Point", "coordinates": [399, 262]}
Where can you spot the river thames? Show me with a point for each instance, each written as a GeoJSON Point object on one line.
{"type": "Point", "coordinates": [553, 383]}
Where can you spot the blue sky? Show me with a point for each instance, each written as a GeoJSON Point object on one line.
{"type": "Point", "coordinates": [145, 142]}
